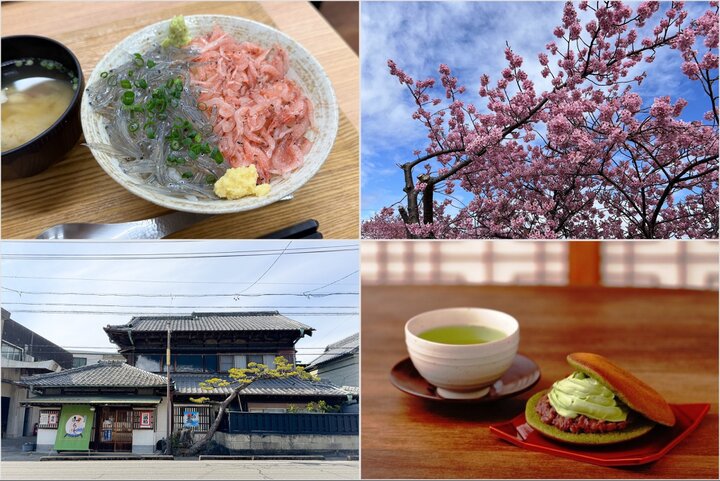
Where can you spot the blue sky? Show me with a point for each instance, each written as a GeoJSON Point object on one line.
{"type": "Point", "coordinates": [470, 37]}
{"type": "Point", "coordinates": [67, 291]}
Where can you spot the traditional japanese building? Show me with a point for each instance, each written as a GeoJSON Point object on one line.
{"type": "Point", "coordinates": [107, 406]}
{"type": "Point", "coordinates": [123, 406]}
{"type": "Point", "coordinates": [207, 345]}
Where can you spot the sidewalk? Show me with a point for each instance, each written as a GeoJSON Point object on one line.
{"type": "Point", "coordinates": [185, 469]}
{"type": "Point", "coordinates": [11, 449]}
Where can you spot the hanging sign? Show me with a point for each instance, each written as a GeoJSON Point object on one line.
{"type": "Point", "coordinates": [74, 428]}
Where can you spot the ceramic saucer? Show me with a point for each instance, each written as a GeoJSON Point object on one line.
{"type": "Point", "coordinates": [523, 374]}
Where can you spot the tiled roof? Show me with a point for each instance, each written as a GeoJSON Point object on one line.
{"type": "Point", "coordinates": [343, 347]}
{"type": "Point", "coordinates": [102, 374]}
{"type": "Point", "coordinates": [215, 321]}
{"type": "Point", "coordinates": [190, 384]}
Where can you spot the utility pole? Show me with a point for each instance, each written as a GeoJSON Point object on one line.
{"type": "Point", "coordinates": [168, 449]}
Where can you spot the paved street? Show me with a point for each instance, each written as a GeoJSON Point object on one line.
{"type": "Point", "coordinates": [179, 469]}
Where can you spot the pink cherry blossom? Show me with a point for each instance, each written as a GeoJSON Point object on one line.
{"type": "Point", "coordinates": [588, 158]}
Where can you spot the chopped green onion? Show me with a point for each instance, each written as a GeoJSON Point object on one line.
{"type": "Point", "coordinates": [206, 148]}
{"type": "Point", "coordinates": [217, 156]}
{"type": "Point", "coordinates": [131, 73]}
{"type": "Point", "coordinates": [162, 116]}
{"type": "Point", "coordinates": [187, 142]}
{"type": "Point", "coordinates": [128, 97]}
{"type": "Point", "coordinates": [150, 63]}
{"type": "Point", "coordinates": [160, 105]}
{"type": "Point", "coordinates": [133, 126]}
{"type": "Point", "coordinates": [149, 129]}
{"type": "Point", "coordinates": [187, 175]}
{"type": "Point", "coordinates": [126, 84]}
{"type": "Point", "coordinates": [197, 138]}
{"type": "Point", "coordinates": [210, 179]}
{"type": "Point", "coordinates": [174, 102]}
{"type": "Point", "coordinates": [112, 80]}
{"type": "Point", "coordinates": [138, 60]}
{"type": "Point", "coordinates": [141, 83]}
{"type": "Point", "coordinates": [175, 145]}
{"type": "Point", "coordinates": [104, 74]}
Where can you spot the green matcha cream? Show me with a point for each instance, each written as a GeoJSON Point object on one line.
{"type": "Point", "coordinates": [580, 394]}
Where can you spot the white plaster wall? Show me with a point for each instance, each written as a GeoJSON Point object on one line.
{"type": "Point", "coordinates": [46, 440]}
{"type": "Point", "coordinates": [160, 421]}
{"type": "Point", "coordinates": [143, 441]}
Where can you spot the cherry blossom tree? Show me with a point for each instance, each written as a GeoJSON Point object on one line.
{"type": "Point", "coordinates": [588, 158]}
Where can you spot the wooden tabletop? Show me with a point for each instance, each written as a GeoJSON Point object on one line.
{"type": "Point", "coordinates": [668, 338]}
{"type": "Point", "coordinates": [78, 190]}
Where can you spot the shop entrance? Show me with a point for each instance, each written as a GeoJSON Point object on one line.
{"type": "Point", "coordinates": [114, 429]}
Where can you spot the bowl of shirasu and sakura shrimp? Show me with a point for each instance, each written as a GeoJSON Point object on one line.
{"type": "Point", "coordinates": [233, 117]}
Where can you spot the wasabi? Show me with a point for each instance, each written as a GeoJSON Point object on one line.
{"type": "Point", "coordinates": [178, 35]}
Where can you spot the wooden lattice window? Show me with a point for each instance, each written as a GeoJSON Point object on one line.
{"type": "Point", "coordinates": [193, 417]}
{"type": "Point", "coordinates": [49, 418]}
{"type": "Point", "coordinates": [144, 419]}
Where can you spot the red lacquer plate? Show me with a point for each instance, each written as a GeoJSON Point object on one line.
{"type": "Point", "coordinates": [645, 449]}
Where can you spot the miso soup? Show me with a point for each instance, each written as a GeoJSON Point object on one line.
{"type": "Point", "coordinates": [33, 99]}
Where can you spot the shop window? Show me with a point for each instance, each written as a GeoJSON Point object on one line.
{"type": "Point", "coordinates": [49, 418]}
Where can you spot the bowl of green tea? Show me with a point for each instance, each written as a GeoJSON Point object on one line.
{"type": "Point", "coordinates": [42, 85]}
{"type": "Point", "coordinates": [462, 351]}
{"type": "Point", "coordinates": [469, 334]}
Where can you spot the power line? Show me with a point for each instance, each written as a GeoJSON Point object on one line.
{"type": "Point", "coordinates": [178, 256]}
{"type": "Point", "coordinates": [115, 294]}
{"type": "Point", "coordinates": [136, 313]}
{"type": "Point", "coordinates": [160, 281]}
{"type": "Point", "coordinates": [268, 269]}
{"type": "Point", "coordinates": [196, 308]}
{"type": "Point", "coordinates": [331, 283]}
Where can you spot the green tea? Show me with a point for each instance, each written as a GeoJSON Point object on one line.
{"type": "Point", "coordinates": [462, 334]}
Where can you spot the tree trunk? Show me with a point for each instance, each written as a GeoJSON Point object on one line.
{"type": "Point", "coordinates": [195, 448]}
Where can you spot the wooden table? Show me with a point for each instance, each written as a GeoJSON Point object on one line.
{"type": "Point", "coordinates": [78, 190]}
{"type": "Point", "coordinates": [669, 338]}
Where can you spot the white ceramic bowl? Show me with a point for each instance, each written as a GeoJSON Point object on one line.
{"type": "Point", "coordinates": [304, 70]}
{"type": "Point", "coordinates": [462, 371]}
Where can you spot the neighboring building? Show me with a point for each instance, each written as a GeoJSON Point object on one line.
{"type": "Point", "coordinates": [206, 345]}
{"type": "Point", "coordinates": [339, 364]}
{"type": "Point", "coordinates": [24, 352]}
{"type": "Point", "coordinates": [83, 357]}
{"type": "Point", "coordinates": [106, 406]}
